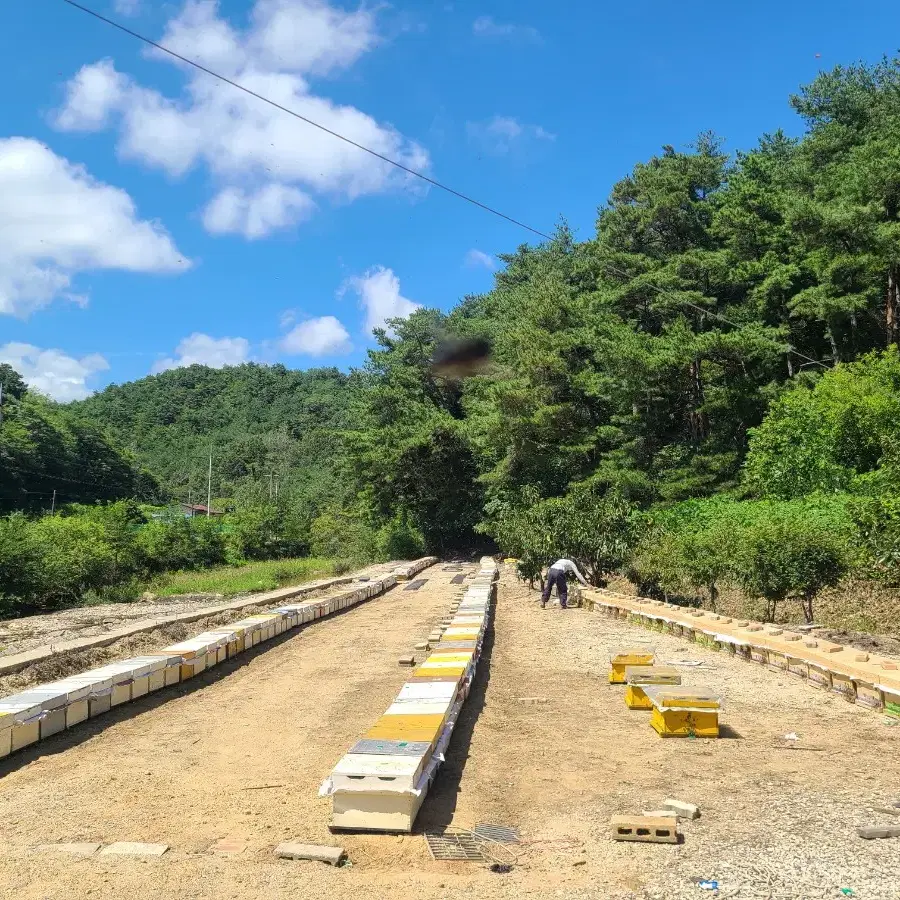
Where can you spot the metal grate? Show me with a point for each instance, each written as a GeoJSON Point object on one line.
{"type": "Point", "coordinates": [502, 834]}
{"type": "Point", "coordinates": [415, 585]}
{"type": "Point", "coordinates": [465, 847]}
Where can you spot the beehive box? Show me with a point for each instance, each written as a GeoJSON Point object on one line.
{"type": "Point", "coordinates": [622, 659]}
{"type": "Point", "coordinates": [819, 676]}
{"type": "Point", "coordinates": [759, 654]}
{"type": "Point", "coordinates": [892, 703]}
{"type": "Point", "coordinates": [636, 676]}
{"type": "Point", "coordinates": [869, 695]}
{"type": "Point", "coordinates": [843, 685]}
{"type": "Point", "coordinates": [684, 711]}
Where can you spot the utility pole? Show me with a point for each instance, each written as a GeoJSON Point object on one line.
{"type": "Point", "coordinates": [209, 485]}
{"type": "Point", "coordinates": [1, 402]}
{"type": "Point", "coordinates": [273, 485]}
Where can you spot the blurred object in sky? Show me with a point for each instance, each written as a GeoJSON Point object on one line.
{"type": "Point", "coordinates": [460, 357]}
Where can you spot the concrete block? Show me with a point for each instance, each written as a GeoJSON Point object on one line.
{"type": "Point", "coordinates": [77, 712]}
{"type": "Point", "coordinates": [683, 810]}
{"type": "Point", "coordinates": [53, 723]}
{"type": "Point", "coordinates": [644, 829]}
{"type": "Point", "coordinates": [131, 848]}
{"type": "Point", "coordinates": [315, 852]}
{"type": "Point", "coordinates": [879, 831]}
{"type": "Point", "coordinates": [407, 661]}
{"type": "Point", "coordinates": [85, 849]}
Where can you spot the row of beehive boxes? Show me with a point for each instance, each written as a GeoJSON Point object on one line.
{"type": "Point", "coordinates": [47, 709]}
{"type": "Point", "coordinates": [676, 710]}
{"type": "Point", "coordinates": [410, 570]}
{"type": "Point", "coordinates": [379, 785]}
{"type": "Point", "coordinates": [869, 680]}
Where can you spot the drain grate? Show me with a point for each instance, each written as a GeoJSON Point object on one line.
{"type": "Point", "coordinates": [502, 834]}
{"type": "Point", "coordinates": [465, 847]}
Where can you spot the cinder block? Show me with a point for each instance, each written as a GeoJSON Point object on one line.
{"type": "Point", "coordinates": [682, 810]}
{"type": "Point", "coordinates": [53, 722]}
{"type": "Point", "coordinates": [645, 829]}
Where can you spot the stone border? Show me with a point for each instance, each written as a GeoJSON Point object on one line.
{"type": "Point", "coordinates": [859, 677]}
{"type": "Point", "coordinates": [381, 783]}
{"type": "Point", "coordinates": [45, 710]}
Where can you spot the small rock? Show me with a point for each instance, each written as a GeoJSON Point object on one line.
{"type": "Point", "coordinates": [683, 810]}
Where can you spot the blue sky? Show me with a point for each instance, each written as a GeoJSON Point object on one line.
{"type": "Point", "coordinates": [151, 217]}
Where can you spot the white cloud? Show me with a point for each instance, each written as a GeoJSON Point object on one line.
{"type": "Point", "coordinates": [503, 134]}
{"type": "Point", "coordinates": [247, 145]}
{"type": "Point", "coordinates": [272, 207]}
{"type": "Point", "coordinates": [52, 372]}
{"type": "Point", "coordinates": [488, 27]}
{"type": "Point", "coordinates": [476, 259]}
{"type": "Point", "coordinates": [201, 349]}
{"type": "Point", "coordinates": [317, 337]}
{"type": "Point", "coordinates": [127, 7]}
{"type": "Point", "coordinates": [56, 221]}
{"type": "Point", "coordinates": [379, 294]}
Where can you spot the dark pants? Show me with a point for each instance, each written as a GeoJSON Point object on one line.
{"type": "Point", "coordinates": [558, 578]}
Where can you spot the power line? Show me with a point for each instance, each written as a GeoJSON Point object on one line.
{"type": "Point", "coordinates": [296, 115]}
{"type": "Point", "coordinates": [468, 199]}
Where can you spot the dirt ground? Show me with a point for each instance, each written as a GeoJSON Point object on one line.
{"type": "Point", "coordinates": [240, 752]}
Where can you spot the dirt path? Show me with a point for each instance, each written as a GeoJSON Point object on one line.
{"type": "Point", "coordinates": [243, 757]}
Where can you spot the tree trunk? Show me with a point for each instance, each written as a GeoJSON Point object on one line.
{"type": "Point", "coordinates": [698, 421]}
{"type": "Point", "coordinates": [713, 595]}
{"type": "Point", "coordinates": [808, 608]}
{"type": "Point", "coordinates": [892, 307]}
{"type": "Point", "coordinates": [790, 366]}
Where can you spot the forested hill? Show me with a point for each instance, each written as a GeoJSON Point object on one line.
{"type": "Point", "coordinates": [257, 420]}
{"type": "Point", "coordinates": [48, 456]}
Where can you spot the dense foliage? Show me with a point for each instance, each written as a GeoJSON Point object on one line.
{"type": "Point", "coordinates": [45, 448]}
{"type": "Point", "coordinates": [704, 393]}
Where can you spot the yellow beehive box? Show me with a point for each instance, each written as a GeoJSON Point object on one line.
{"type": "Point", "coordinates": [684, 711]}
{"type": "Point", "coordinates": [843, 685]}
{"type": "Point", "coordinates": [426, 671]}
{"type": "Point", "coordinates": [622, 659]}
{"type": "Point", "coordinates": [819, 676]}
{"type": "Point", "coordinates": [425, 728]}
{"type": "Point", "coordinates": [869, 695]}
{"type": "Point", "coordinates": [636, 676]}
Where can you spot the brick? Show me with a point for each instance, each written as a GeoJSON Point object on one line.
{"type": "Point", "coordinates": [85, 849]}
{"type": "Point", "coordinates": [130, 848]}
{"type": "Point", "coordinates": [683, 810]}
{"type": "Point", "coordinates": [407, 661]}
{"type": "Point", "coordinates": [879, 831]}
{"type": "Point", "coordinates": [229, 846]}
{"type": "Point", "coordinates": [644, 829]}
{"type": "Point", "coordinates": [315, 852]}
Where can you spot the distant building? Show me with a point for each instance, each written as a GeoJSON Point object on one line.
{"type": "Point", "coordinates": [197, 509]}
